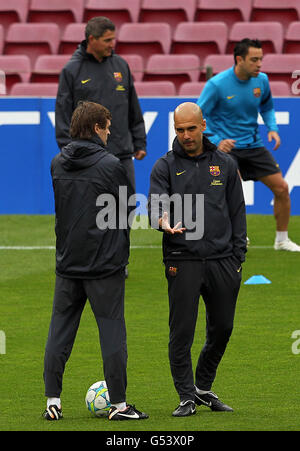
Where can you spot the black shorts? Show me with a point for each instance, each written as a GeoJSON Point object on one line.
{"type": "Point", "coordinates": [255, 163]}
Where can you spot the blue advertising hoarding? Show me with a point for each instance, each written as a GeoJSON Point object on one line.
{"type": "Point", "coordinates": [27, 133]}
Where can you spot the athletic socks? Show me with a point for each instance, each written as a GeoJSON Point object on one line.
{"type": "Point", "coordinates": [54, 401]}
{"type": "Point", "coordinates": [281, 236]}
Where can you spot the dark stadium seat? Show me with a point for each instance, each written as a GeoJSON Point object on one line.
{"type": "Point", "coordinates": [35, 89]}
{"type": "Point", "coordinates": [155, 88]}
{"type": "Point", "coordinates": [57, 11]}
{"type": "Point", "coordinates": [175, 68]}
{"type": "Point", "coordinates": [218, 63]}
{"type": "Point", "coordinates": [280, 88]}
{"type": "Point", "coordinates": [17, 68]}
{"type": "Point", "coordinates": [269, 33]}
{"type": "Point", "coordinates": [144, 39]}
{"type": "Point", "coordinates": [13, 11]}
{"type": "Point", "coordinates": [280, 67]}
{"type": "Point", "coordinates": [48, 67]}
{"type": "Point", "coordinates": [119, 11]}
{"type": "Point", "coordinates": [32, 39]}
{"type": "Point", "coordinates": [200, 38]}
{"type": "Point", "coordinates": [136, 65]}
{"type": "Point", "coordinates": [191, 88]}
{"type": "Point", "coordinates": [165, 11]}
{"type": "Point", "coordinates": [283, 11]}
{"type": "Point", "coordinates": [291, 43]}
{"type": "Point", "coordinates": [73, 34]}
{"type": "Point", "coordinates": [227, 11]}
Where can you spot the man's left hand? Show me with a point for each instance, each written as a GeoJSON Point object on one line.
{"type": "Point", "coordinates": [276, 137]}
{"type": "Point", "coordinates": [139, 154]}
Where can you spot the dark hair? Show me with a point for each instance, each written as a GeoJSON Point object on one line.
{"type": "Point", "coordinates": [85, 117]}
{"type": "Point", "coordinates": [97, 26]}
{"type": "Point", "coordinates": [241, 48]}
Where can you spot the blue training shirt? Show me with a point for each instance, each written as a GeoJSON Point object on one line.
{"type": "Point", "coordinates": [231, 106]}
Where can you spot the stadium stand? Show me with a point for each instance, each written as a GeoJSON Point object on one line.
{"type": "Point", "coordinates": [136, 65]}
{"type": "Point", "coordinates": [291, 43]}
{"type": "Point", "coordinates": [56, 11]}
{"type": "Point", "coordinates": [227, 11]}
{"type": "Point", "coordinates": [175, 68]}
{"type": "Point", "coordinates": [275, 10]}
{"type": "Point", "coordinates": [13, 11]}
{"type": "Point", "coordinates": [280, 88]}
{"type": "Point", "coordinates": [74, 33]}
{"type": "Point", "coordinates": [155, 88]}
{"type": "Point", "coordinates": [34, 89]}
{"type": "Point", "coordinates": [32, 39]}
{"type": "Point", "coordinates": [48, 67]}
{"type": "Point", "coordinates": [17, 68]}
{"type": "Point", "coordinates": [201, 39]}
{"type": "Point", "coordinates": [172, 12]}
{"type": "Point", "coordinates": [191, 88]}
{"type": "Point", "coordinates": [279, 67]}
{"type": "Point", "coordinates": [119, 11]}
{"type": "Point", "coordinates": [269, 33]}
{"type": "Point", "coordinates": [144, 39]}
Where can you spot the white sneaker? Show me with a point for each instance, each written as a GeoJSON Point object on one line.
{"type": "Point", "coordinates": [247, 241]}
{"type": "Point", "coordinates": [286, 245]}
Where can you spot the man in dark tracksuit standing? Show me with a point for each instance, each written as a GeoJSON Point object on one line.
{"type": "Point", "coordinates": [91, 255]}
{"type": "Point", "coordinates": [202, 250]}
{"type": "Point", "coordinates": [96, 73]}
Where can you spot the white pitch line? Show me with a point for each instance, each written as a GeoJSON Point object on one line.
{"type": "Point", "coordinates": [150, 246]}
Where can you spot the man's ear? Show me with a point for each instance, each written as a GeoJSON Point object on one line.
{"type": "Point", "coordinates": [203, 124]}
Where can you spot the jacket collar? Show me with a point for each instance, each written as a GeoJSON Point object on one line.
{"type": "Point", "coordinates": [207, 147]}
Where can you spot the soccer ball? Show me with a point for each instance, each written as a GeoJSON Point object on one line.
{"type": "Point", "coordinates": [97, 399]}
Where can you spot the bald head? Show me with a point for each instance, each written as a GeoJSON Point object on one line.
{"type": "Point", "coordinates": [188, 109]}
{"type": "Point", "coordinates": [189, 126]}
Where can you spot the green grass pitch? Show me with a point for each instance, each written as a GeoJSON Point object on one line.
{"type": "Point", "coordinates": [258, 376]}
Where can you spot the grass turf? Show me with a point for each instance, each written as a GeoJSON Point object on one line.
{"type": "Point", "coordinates": [258, 375]}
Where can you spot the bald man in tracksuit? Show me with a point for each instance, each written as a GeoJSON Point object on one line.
{"type": "Point", "coordinates": [203, 255]}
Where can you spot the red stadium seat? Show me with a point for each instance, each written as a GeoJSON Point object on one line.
{"type": "Point", "coordinates": [218, 63]}
{"type": "Point", "coordinates": [144, 39]}
{"type": "Point", "coordinates": [118, 11]}
{"type": "Point", "coordinates": [165, 11]}
{"type": "Point", "coordinates": [200, 38]}
{"type": "Point", "coordinates": [17, 68]}
{"type": "Point", "coordinates": [269, 33]}
{"type": "Point", "coordinates": [57, 11]}
{"type": "Point", "coordinates": [175, 68]}
{"type": "Point", "coordinates": [276, 10]}
{"type": "Point", "coordinates": [35, 89]}
{"type": "Point", "coordinates": [13, 11]}
{"type": "Point", "coordinates": [136, 65]}
{"type": "Point", "coordinates": [73, 34]}
{"type": "Point", "coordinates": [280, 67]}
{"type": "Point", "coordinates": [280, 88]}
{"type": "Point", "coordinates": [1, 39]}
{"type": "Point", "coordinates": [227, 11]}
{"type": "Point", "coordinates": [155, 88]}
{"type": "Point", "coordinates": [48, 67]}
{"type": "Point", "coordinates": [32, 40]}
{"type": "Point", "coordinates": [191, 88]}
{"type": "Point", "coordinates": [291, 42]}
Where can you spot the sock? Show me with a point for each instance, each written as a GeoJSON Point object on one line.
{"type": "Point", "coordinates": [120, 405]}
{"type": "Point", "coordinates": [281, 236]}
{"type": "Point", "coordinates": [54, 401]}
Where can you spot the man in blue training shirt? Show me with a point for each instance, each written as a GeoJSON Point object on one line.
{"type": "Point", "coordinates": [231, 101]}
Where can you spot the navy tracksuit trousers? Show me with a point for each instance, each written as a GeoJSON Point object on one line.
{"type": "Point", "coordinates": [218, 282]}
{"type": "Point", "coordinates": [106, 298]}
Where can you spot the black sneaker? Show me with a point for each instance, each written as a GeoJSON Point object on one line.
{"type": "Point", "coordinates": [212, 401]}
{"type": "Point", "coordinates": [130, 413]}
{"type": "Point", "coordinates": [52, 413]}
{"type": "Point", "coordinates": [185, 409]}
